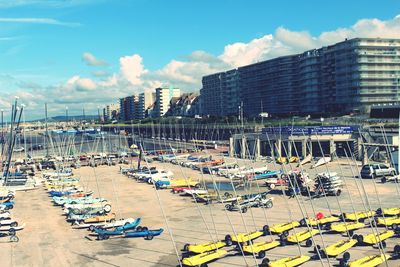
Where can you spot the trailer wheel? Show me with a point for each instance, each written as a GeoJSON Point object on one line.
{"type": "Point", "coordinates": [382, 244]}
{"type": "Point", "coordinates": [346, 256]}
{"type": "Point", "coordinates": [269, 204]}
{"type": "Point", "coordinates": [261, 254]}
{"type": "Point", "coordinates": [338, 192]}
{"type": "Point", "coordinates": [228, 240]}
{"type": "Point", "coordinates": [397, 249]}
{"type": "Point", "coordinates": [14, 224]}
{"type": "Point", "coordinates": [360, 239]}
{"type": "Point", "coordinates": [350, 233]}
{"type": "Point", "coordinates": [285, 233]}
{"type": "Point", "coordinates": [107, 208]}
{"type": "Point", "coordinates": [271, 186]}
{"type": "Point", "coordinates": [149, 237]}
{"type": "Point", "coordinates": [14, 238]}
{"type": "Point", "coordinates": [244, 209]}
{"type": "Point", "coordinates": [265, 262]}
{"type": "Point", "coordinates": [395, 226]}
{"type": "Point", "coordinates": [91, 228]}
{"type": "Point", "coordinates": [11, 231]}
{"type": "Point", "coordinates": [266, 230]}
{"type": "Point", "coordinates": [309, 243]}
{"type": "Point", "coordinates": [186, 247]}
{"type": "Point", "coordinates": [383, 180]}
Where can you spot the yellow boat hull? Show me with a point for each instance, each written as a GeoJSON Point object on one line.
{"type": "Point", "coordinates": [205, 247]}
{"type": "Point", "coordinates": [370, 261]}
{"type": "Point", "coordinates": [373, 239]}
{"type": "Point", "coordinates": [339, 247]}
{"type": "Point", "coordinates": [280, 228]}
{"type": "Point", "coordinates": [391, 211]}
{"type": "Point", "coordinates": [289, 261]}
{"type": "Point", "coordinates": [204, 257]}
{"type": "Point", "coordinates": [244, 237]}
{"type": "Point", "coordinates": [344, 227]}
{"type": "Point", "coordinates": [388, 221]}
{"type": "Point", "coordinates": [359, 215]}
{"type": "Point", "coordinates": [301, 236]}
{"type": "Point", "coordinates": [261, 246]}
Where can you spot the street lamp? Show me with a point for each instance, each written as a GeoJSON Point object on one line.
{"type": "Point", "coordinates": [98, 113]}
{"type": "Point", "coordinates": [66, 115]}
{"type": "Point", "coordinates": [322, 121]}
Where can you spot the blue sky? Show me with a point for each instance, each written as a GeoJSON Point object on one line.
{"type": "Point", "coordinates": [42, 41]}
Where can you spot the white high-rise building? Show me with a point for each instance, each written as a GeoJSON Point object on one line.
{"type": "Point", "coordinates": [163, 98]}
{"type": "Point", "coordinates": [111, 111]}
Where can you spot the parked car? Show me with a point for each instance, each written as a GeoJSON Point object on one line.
{"type": "Point", "coordinates": [376, 170]}
{"type": "Point", "coordinates": [47, 164]}
{"type": "Point", "coordinates": [18, 149]}
{"type": "Point", "coordinates": [36, 147]}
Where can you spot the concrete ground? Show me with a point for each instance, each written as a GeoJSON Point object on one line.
{"type": "Point", "coordinates": [48, 240]}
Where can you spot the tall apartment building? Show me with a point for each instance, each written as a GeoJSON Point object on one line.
{"type": "Point", "coordinates": [163, 98]}
{"type": "Point", "coordinates": [111, 111]}
{"type": "Point", "coordinates": [146, 99]}
{"type": "Point", "coordinates": [129, 108]}
{"type": "Point", "coordinates": [220, 93]}
{"type": "Point", "coordinates": [348, 76]}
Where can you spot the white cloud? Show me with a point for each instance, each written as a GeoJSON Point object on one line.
{"type": "Point", "coordinates": [91, 60]}
{"type": "Point", "coordinates": [38, 21]}
{"type": "Point", "coordinates": [100, 73]}
{"type": "Point", "coordinates": [132, 68]}
{"type": "Point", "coordinates": [46, 3]}
{"type": "Point", "coordinates": [185, 73]}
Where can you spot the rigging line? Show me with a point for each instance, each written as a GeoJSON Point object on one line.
{"type": "Point", "coordinates": [258, 187]}
{"type": "Point", "coordinates": [305, 215]}
{"type": "Point", "coordinates": [230, 222]}
{"type": "Point", "coordinates": [309, 145]}
{"type": "Point", "coordinates": [328, 172]}
{"type": "Point", "coordinates": [372, 225]}
{"type": "Point", "coordinates": [372, 228]}
{"type": "Point", "coordinates": [312, 206]}
{"type": "Point", "coordinates": [195, 200]}
{"type": "Point", "coordinates": [240, 210]}
{"type": "Point", "coordinates": [283, 192]}
{"type": "Point", "coordinates": [163, 213]}
{"type": "Point", "coordinates": [392, 163]}
{"type": "Point", "coordinates": [380, 247]}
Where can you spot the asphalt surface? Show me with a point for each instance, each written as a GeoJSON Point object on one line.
{"type": "Point", "coordinates": [48, 240]}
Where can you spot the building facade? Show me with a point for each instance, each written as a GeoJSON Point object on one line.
{"type": "Point", "coordinates": [220, 93]}
{"type": "Point", "coordinates": [163, 98]}
{"type": "Point", "coordinates": [183, 106]}
{"type": "Point", "coordinates": [129, 108]}
{"type": "Point", "coordinates": [111, 112]}
{"type": "Point", "coordinates": [146, 100]}
{"type": "Point", "coordinates": [350, 76]}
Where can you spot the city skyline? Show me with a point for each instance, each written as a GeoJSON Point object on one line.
{"type": "Point", "coordinates": [91, 53]}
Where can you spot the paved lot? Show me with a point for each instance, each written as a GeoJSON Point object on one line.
{"type": "Point", "coordinates": [49, 240]}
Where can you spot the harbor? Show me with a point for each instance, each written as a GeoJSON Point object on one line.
{"type": "Point", "coordinates": [199, 133]}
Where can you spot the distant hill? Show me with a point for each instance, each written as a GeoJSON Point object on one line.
{"type": "Point", "coordinates": [70, 118]}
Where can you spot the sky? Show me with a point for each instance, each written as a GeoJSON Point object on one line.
{"type": "Point", "coordinates": [89, 53]}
